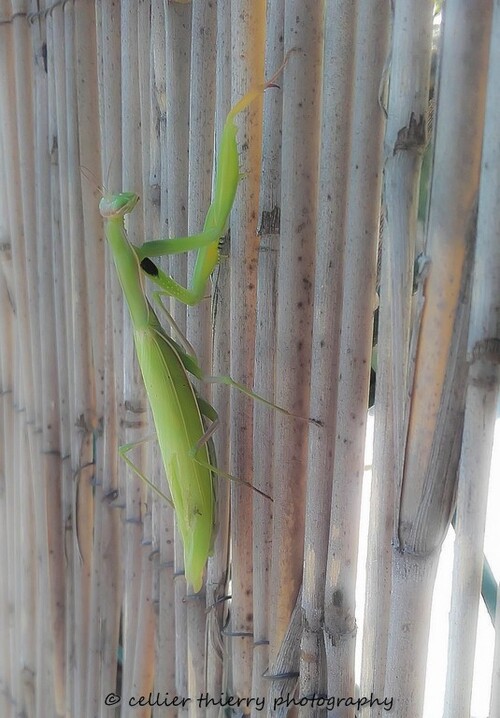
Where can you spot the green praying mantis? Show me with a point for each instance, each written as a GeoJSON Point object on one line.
{"type": "Point", "coordinates": [178, 412]}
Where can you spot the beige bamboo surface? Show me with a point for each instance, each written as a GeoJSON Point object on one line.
{"type": "Point", "coordinates": [94, 607]}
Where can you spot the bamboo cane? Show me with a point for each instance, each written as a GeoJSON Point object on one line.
{"type": "Point", "coordinates": [480, 410]}
{"type": "Point", "coordinates": [330, 249]}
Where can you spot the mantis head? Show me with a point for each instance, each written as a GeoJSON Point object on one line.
{"type": "Point", "coordinates": [118, 205]}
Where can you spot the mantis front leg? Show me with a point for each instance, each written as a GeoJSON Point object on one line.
{"type": "Point", "coordinates": [207, 243]}
{"type": "Point", "coordinates": [227, 176]}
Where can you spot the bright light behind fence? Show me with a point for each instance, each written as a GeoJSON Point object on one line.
{"type": "Point", "coordinates": [438, 641]}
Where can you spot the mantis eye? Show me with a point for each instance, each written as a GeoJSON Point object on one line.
{"type": "Point", "coordinates": [118, 205]}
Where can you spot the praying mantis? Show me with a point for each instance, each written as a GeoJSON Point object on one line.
{"type": "Point", "coordinates": [178, 412]}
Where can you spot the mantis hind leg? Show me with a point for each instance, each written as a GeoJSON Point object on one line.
{"type": "Point", "coordinates": [229, 381]}
{"type": "Point", "coordinates": [207, 436]}
{"type": "Point", "coordinates": [190, 362]}
{"type": "Point", "coordinates": [209, 412]}
{"type": "Point", "coordinates": [124, 450]}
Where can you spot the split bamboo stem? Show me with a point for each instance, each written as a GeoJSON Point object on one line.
{"type": "Point", "coordinates": [405, 141]}
{"type": "Point", "coordinates": [425, 499]}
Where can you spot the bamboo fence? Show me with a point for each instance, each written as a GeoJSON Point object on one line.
{"type": "Point", "coordinates": [95, 612]}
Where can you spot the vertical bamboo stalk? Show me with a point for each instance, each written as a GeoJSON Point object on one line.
{"type": "Point", "coordinates": [247, 65]}
{"type": "Point", "coordinates": [145, 620]}
{"type": "Point", "coordinates": [338, 72]}
{"type": "Point", "coordinates": [7, 423]}
{"type": "Point", "coordinates": [303, 32]}
{"type": "Point", "coordinates": [113, 103]}
{"type": "Point", "coordinates": [23, 255]}
{"type": "Point", "coordinates": [56, 133]}
{"type": "Point", "coordinates": [133, 397]}
{"type": "Point", "coordinates": [58, 193]}
{"type": "Point", "coordinates": [218, 566]}
{"type": "Point", "coordinates": [64, 325]}
{"type": "Point", "coordinates": [139, 655]}
{"type": "Point", "coordinates": [30, 584]}
{"type": "Point", "coordinates": [480, 408]}
{"type": "Point", "coordinates": [8, 351]}
{"type": "Point", "coordinates": [81, 378]}
{"type": "Point", "coordinates": [164, 153]}
{"type": "Point", "coordinates": [201, 143]}
{"type": "Point", "coordinates": [103, 578]}
{"type": "Point", "coordinates": [362, 223]}
{"type": "Point", "coordinates": [18, 147]}
{"type": "Point", "coordinates": [174, 209]}
{"type": "Point", "coordinates": [265, 346]}
{"type": "Point", "coordinates": [46, 683]}
{"type": "Point", "coordinates": [201, 146]}
{"type": "Point", "coordinates": [50, 485]}
{"type": "Point", "coordinates": [175, 138]}
{"type": "Point", "coordinates": [110, 562]}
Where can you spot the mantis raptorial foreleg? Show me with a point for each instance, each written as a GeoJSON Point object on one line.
{"type": "Point", "coordinates": [227, 176]}
{"type": "Point", "coordinates": [124, 450]}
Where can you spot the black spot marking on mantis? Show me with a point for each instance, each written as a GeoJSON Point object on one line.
{"type": "Point", "coordinates": [149, 267]}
